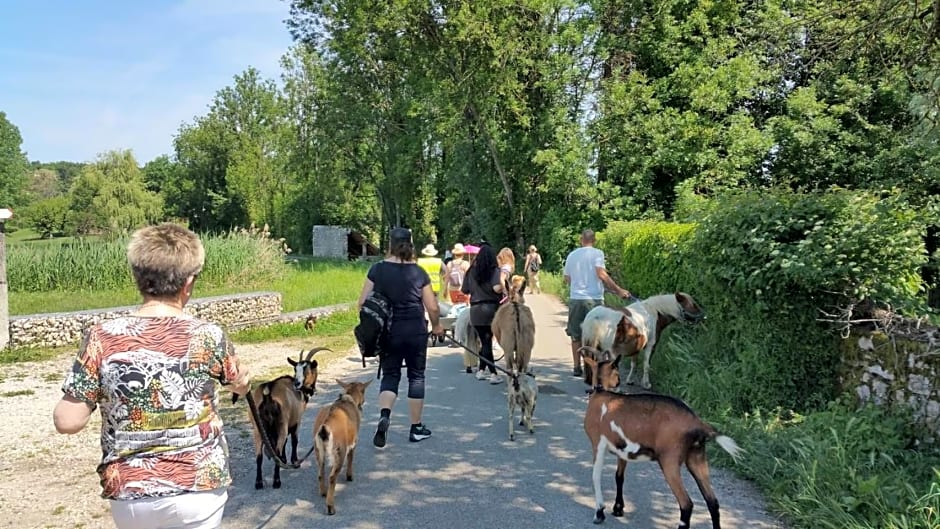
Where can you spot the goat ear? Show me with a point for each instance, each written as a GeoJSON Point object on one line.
{"type": "Point", "coordinates": [364, 386]}
{"type": "Point", "coordinates": [589, 361]}
{"type": "Point", "coordinates": [640, 341]}
{"type": "Point", "coordinates": [616, 361]}
{"type": "Point", "coordinates": [291, 361]}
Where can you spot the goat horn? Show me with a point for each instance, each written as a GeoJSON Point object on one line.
{"type": "Point", "coordinates": [314, 351]}
{"type": "Point", "coordinates": [594, 352]}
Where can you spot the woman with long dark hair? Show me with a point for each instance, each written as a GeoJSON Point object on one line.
{"type": "Point", "coordinates": [408, 288]}
{"type": "Point", "coordinates": [482, 283]}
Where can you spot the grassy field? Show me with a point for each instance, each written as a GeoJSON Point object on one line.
{"type": "Point", "coordinates": [306, 284]}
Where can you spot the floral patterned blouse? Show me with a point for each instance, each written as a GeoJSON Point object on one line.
{"type": "Point", "coordinates": [153, 378]}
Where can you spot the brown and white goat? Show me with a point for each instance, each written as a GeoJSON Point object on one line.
{"type": "Point", "coordinates": [522, 391]}
{"type": "Point", "coordinates": [335, 434]}
{"type": "Point", "coordinates": [649, 427]}
{"type": "Point", "coordinates": [281, 403]}
{"type": "Point", "coordinates": [514, 328]}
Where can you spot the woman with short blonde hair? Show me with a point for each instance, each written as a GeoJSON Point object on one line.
{"type": "Point", "coordinates": [164, 454]}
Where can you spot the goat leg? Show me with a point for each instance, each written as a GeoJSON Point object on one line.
{"type": "Point", "coordinates": [277, 470]}
{"type": "Point", "coordinates": [698, 467]}
{"type": "Point", "coordinates": [259, 481]}
{"type": "Point", "coordinates": [293, 443]}
{"type": "Point", "coordinates": [321, 464]}
{"type": "Point", "coordinates": [669, 463]}
{"type": "Point", "coordinates": [527, 415]}
{"type": "Point", "coordinates": [349, 461]}
{"type": "Point", "coordinates": [618, 478]}
{"type": "Point", "coordinates": [335, 467]}
{"type": "Point", "coordinates": [512, 414]}
{"type": "Point", "coordinates": [599, 451]}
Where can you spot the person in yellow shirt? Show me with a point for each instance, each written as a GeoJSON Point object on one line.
{"type": "Point", "coordinates": [433, 266]}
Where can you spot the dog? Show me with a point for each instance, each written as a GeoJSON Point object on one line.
{"type": "Point", "coordinates": [311, 322]}
{"type": "Point", "coordinates": [522, 391]}
{"type": "Point", "coordinates": [514, 328]}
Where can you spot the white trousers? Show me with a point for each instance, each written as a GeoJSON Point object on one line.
{"type": "Point", "coordinates": [191, 510]}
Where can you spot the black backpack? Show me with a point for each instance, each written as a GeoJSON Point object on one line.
{"type": "Point", "coordinates": [375, 318]}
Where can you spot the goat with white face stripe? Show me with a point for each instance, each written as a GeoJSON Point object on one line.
{"type": "Point", "coordinates": [649, 427]}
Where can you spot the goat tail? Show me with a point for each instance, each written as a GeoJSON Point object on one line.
{"type": "Point", "coordinates": [728, 445]}
{"type": "Point", "coordinates": [324, 433]}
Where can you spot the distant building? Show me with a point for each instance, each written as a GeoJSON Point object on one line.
{"type": "Point", "coordinates": [339, 242]}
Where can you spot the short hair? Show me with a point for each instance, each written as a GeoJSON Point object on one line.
{"type": "Point", "coordinates": [587, 235]}
{"type": "Point", "coordinates": [163, 257]}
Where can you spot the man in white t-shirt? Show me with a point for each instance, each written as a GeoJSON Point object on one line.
{"type": "Point", "coordinates": [586, 275]}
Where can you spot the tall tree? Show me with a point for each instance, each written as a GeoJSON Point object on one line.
{"type": "Point", "coordinates": [13, 164]}
{"type": "Point", "coordinates": [109, 195]}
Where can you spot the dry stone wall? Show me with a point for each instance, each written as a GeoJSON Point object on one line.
{"type": "Point", "coordinates": [66, 328]}
{"type": "Point", "coordinates": [897, 370]}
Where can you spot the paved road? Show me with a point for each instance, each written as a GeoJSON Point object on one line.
{"type": "Point", "coordinates": [469, 474]}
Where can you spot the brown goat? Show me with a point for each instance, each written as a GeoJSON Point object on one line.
{"type": "Point", "coordinates": [335, 434]}
{"type": "Point", "coordinates": [281, 403]}
{"type": "Point", "coordinates": [649, 427]}
{"type": "Point", "coordinates": [514, 328]}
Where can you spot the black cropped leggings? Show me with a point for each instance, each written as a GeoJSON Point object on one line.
{"type": "Point", "coordinates": [413, 349]}
{"type": "Point", "coordinates": [486, 347]}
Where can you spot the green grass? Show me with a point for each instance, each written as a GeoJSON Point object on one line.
{"type": "Point", "coordinates": [305, 284]}
{"type": "Point", "coordinates": [17, 393]}
{"type": "Point", "coordinates": [36, 354]}
{"type": "Point", "coordinates": [338, 324]}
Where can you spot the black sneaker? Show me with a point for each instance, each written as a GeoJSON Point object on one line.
{"type": "Point", "coordinates": [577, 372]}
{"type": "Point", "coordinates": [419, 432]}
{"type": "Point", "coordinates": [381, 432]}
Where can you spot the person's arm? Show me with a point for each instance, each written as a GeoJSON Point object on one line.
{"type": "Point", "coordinates": [567, 272]}
{"type": "Point", "coordinates": [81, 389]}
{"type": "Point", "coordinates": [227, 368]}
{"type": "Point", "coordinates": [367, 287]}
{"type": "Point", "coordinates": [433, 309]}
{"type": "Point", "coordinates": [71, 415]}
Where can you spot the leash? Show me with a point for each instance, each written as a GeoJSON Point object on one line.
{"type": "Point", "coordinates": [267, 442]}
{"type": "Point", "coordinates": [474, 353]}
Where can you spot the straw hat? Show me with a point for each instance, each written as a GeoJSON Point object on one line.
{"type": "Point", "coordinates": [429, 251]}
{"type": "Point", "coordinates": [458, 249]}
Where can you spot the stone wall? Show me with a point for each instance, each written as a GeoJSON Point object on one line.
{"type": "Point", "coordinates": [66, 328]}
{"type": "Point", "coordinates": [330, 241]}
{"type": "Point", "coordinates": [900, 369]}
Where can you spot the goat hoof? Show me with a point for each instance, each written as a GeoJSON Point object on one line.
{"type": "Point", "coordinates": [276, 484]}
{"type": "Point", "coordinates": [349, 477]}
{"type": "Point", "coordinates": [531, 430]}
{"type": "Point", "coordinates": [617, 511]}
{"type": "Point", "coordinates": [259, 485]}
{"type": "Point", "coordinates": [330, 510]}
{"type": "Point", "coordinates": [599, 516]}
{"type": "Point", "coordinates": [512, 437]}
{"type": "Point", "coordinates": [521, 423]}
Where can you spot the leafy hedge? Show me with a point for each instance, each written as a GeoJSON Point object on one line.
{"type": "Point", "coordinates": [764, 265]}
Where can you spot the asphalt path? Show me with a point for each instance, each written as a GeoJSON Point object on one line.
{"type": "Point", "coordinates": [468, 474]}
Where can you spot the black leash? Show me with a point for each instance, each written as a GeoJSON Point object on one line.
{"type": "Point", "coordinates": [267, 442]}
{"type": "Point", "coordinates": [474, 353]}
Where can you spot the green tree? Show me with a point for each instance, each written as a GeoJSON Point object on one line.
{"type": "Point", "coordinates": [110, 196]}
{"type": "Point", "coordinates": [13, 164]}
{"type": "Point", "coordinates": [48, 216]}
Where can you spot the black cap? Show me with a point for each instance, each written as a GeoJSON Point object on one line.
{"type": "Point", "coordinates": [399, 235]}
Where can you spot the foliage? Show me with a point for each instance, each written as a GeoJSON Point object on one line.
{"type": "Point", "coordinates": [49, 217]}
{"type": "Point", "coordinates": [841, 467]}
{"type": "Point", "coordinates": [242, 256]}
{"type": "Point", "coordinates": [13, 164]}
{"type": "Point", "coordinates": [765, 266]}
{"type": "Point", "coordinates": [109, 195]}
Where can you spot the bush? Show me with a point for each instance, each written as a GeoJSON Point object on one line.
{"type": "Point", "coordinates": [241, 256]}
{"type": "Point", "coordinates": [763, 265]}
{"type": "Point", "coordinates": [841, 468]}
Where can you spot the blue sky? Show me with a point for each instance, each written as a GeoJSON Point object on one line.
{"type": "Point", "coordinates": [82, 77]}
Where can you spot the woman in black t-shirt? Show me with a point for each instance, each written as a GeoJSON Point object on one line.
{"type": "Point", "coordinates": [483, 284]}
{"type": "Point", "coordinates": [408, 287]}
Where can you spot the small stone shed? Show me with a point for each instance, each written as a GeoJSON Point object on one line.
{"type": "Point", "coordinates": [340, 242]}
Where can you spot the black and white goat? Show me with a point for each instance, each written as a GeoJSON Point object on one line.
{"type": "Point", "coordinates": [281, 403]}
{"type": "Point", "coordinates": [649, 427]}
